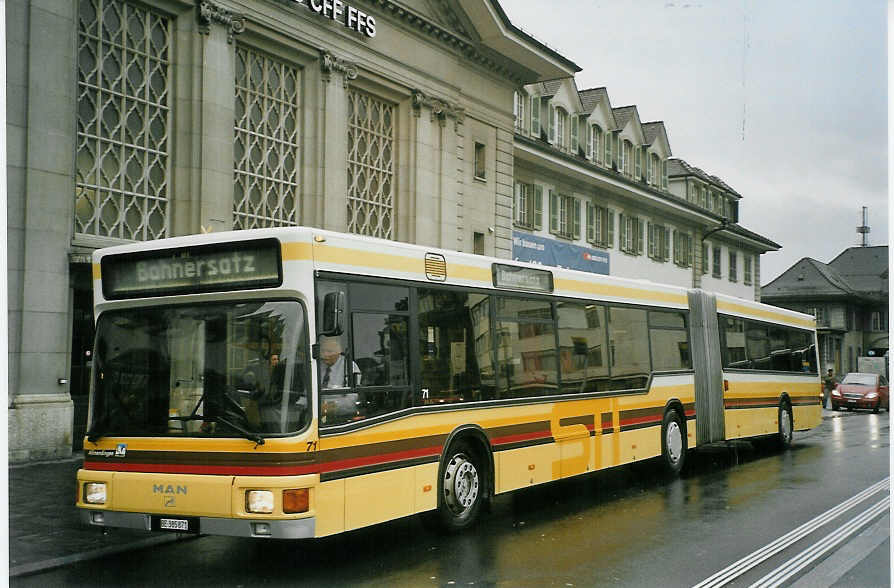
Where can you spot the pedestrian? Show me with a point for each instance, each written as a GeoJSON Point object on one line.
{"type": "Point", "coordinates": [829, 383]}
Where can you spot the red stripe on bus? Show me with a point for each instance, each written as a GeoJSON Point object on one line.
{"type": "Point", "coordinates": [640, 420]}
{"type": "Point", "coordinates": [344, 464]}
{"type": "Point", "coordinates": [161, 468]}
{"type": "Point", "coordinates": [356, 462]}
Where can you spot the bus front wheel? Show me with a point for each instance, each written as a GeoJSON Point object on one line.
{"type": "Point", "coordinates": [673, 442]}
{"type": "Point", "coordinates": [463, 486]}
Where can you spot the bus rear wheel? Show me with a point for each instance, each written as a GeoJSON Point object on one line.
{"type": "Point", "coordinates": [462, 487]}
{"type": "Point", "coordinates": [673, 442]}
{"type": "Point", "coordinates": [784, 435]}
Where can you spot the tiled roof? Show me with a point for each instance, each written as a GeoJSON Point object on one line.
{"type": "Point", "coordinates": [864, 268]}
{"type": "Point", "coordinates": [808, 278]}
{"type": "Point", "coordinates": [591, 98]}
{"type": "Point", "coordinates": [651, 130]}
{"type": "Point", "coordinates": [677, 167]}
{"type": "Point", "coordinates": [550, 87]}
{"type": "Point", "coordinates": [860, 272]}
{"type": "Point", "coordinates": [623, 114]}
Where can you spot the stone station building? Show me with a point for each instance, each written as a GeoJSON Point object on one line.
{"type": "Point", "coordinates": [133, 120]}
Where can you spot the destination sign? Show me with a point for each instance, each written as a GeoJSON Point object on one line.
{"type": "Point", "coordinates": [204, 268]}
{"type": "Point", "coordinates": [522, 278]}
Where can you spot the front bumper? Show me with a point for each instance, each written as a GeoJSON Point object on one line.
{"type": "Point", "coordinates": [855, 402]}
{"type": "Point", "coordinates": [260, 528]}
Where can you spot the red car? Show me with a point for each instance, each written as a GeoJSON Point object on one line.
{"type": "Point", "coordinates": [858, 390]}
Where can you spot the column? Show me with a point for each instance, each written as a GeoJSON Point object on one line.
{"type": "Point", "coordinates": [41, 132]}
{"type": "Point", "coordinates": [336, 75]}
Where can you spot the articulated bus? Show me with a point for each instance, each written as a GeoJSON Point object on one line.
{"type": "Point", "coordinates": [296, 383]}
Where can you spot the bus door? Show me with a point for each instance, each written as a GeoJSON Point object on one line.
{"type": "Point", "coordinates": [706, 361]}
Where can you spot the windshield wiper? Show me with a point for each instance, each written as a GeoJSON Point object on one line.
{"type": "Point", "coordinates": [95, 433]}
{"type": "Point", "coordinates": [218, 419]}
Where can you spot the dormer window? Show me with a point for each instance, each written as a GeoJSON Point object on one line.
{"type": "Point", "coordinates": [654, 169]}
{"type": "Point", "coordinates": [627, 157]}
{"type": "Point", "coordinates": [664, 174]}
{"type": "Point", "coordinates": [575, 134]}
{"type": "Point", "coordinates": [608, 149]}
{"type": "Point", "coordinates": [638, 157]}
{"type": "Point", "coordinates": [535, 117]}
{"type": "Point", "coordinates": [519, 111]}
{"type": "Point", "coordinates": [561, 124]}
{"type": "Point", "coordinates": [596, 144]}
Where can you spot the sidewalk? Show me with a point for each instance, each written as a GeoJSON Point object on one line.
{"type": "Point", "coordinates": [45, 530]}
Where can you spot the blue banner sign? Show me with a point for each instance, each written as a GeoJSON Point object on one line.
{"type": "Point", "coordinates": [535, 249]}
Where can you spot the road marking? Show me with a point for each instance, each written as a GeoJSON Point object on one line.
{"type": "Point", "coordinates": [823, 546]}
{"type": "Point", "coordinates": [834, 567]}
{"type": "Point", "coordinates": [736, 569]}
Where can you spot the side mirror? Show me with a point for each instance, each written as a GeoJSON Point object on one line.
{"type": "Point", "coordinates": [333, 311]}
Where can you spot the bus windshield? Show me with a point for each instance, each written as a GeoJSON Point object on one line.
{"type": "Point", "coordinates": [202, 370]}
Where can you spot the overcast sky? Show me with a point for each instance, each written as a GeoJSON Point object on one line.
{"type": "Point", "coordinates": [786, 101]}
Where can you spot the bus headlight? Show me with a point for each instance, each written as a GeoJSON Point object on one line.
{"type": "Point", "coordinates": [95, 492]}
{"type": "Point", "coordinates": [259, 501]}
{"type": "Point", "coordinates": [295, 500]}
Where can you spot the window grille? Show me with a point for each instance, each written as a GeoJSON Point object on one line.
{"type": "Point", "coordinates": [266, 146]}
{"type": "Point", "coordinates": [123, 121]}
{"type": "Point", "coordinates": [370, 165]}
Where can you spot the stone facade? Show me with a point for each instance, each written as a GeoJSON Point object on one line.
{"type": "Point", "coordinates": [138, 120]}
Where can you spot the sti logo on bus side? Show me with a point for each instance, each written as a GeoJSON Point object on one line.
{"type": "Point", "coordinates": [169, 489]}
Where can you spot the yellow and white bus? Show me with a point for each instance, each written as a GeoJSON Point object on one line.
{"type": "Point", "coordinates": [296, 382]}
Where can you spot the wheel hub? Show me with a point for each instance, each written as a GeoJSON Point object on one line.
{"type": "Point", "coordinates": [460, 484]}
{"type": "Point", "coordinates": [674, 441]}
{"type": "Point", "coordinates": [785, 425]}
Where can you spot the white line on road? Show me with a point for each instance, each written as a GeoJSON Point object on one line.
{"type": "Point", "coordinates": [852, 554]}
{"type": "Point", "coordinates": [821, 547]}
{"type": "Point", "coordinates": [748, 562]}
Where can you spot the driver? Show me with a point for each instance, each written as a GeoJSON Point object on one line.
{"type": "Point", "coordinates": [332, 365]}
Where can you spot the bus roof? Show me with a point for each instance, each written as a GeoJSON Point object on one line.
{"type": "Point", "coordinates": [344, 253]}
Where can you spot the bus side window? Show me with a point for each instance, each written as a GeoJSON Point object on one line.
{"type": "Point", "coordinates": [449, 347]}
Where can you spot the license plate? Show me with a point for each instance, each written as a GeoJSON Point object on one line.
{"type": "Point", "coordinates": [173, 525]}
{"type": "Point", "coordinates": [185, 525]}
{"type": "Point", "coordinates": [852, 402]}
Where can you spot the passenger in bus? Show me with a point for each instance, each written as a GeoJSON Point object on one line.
{"type": "Point", "coordinates": [332, 365]}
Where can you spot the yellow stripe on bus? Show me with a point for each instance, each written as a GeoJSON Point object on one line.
{"type": "Point", "coordinates": [768, 314]}
{"type": "Point", "coordinates": [387, 261]}
{"type": "Point", "coordinates": [619, 291]}
{"type": "Point", "coordinates": [297, 251]}
{"type": "Point", "coordinates": [97, 271]}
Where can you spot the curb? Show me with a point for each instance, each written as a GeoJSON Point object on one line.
{"type": "Point", "coordinates": [58, 562]}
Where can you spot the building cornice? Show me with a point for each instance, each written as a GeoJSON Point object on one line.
{"type": "Point", "coordinates": [464, 45]}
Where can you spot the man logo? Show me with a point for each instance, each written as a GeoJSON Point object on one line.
{"type": "Point", "coordinates": [170, 489]}
{"type": "Point", "coordinates": [169, 501]}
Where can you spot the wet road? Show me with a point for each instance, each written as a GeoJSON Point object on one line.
{"type": "Point", "coordinates": [627, 527]}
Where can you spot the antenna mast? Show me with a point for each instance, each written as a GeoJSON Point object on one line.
{"type": "Point", "coordinates": [864, 229]}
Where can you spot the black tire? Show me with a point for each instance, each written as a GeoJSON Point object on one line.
{"type": "Point", "coordinates": [785, 420]}
{"type": "Point", "coordinates": [462, 487]}
{"type": "Point", "coordinates": [877, 406]}
{"type": "Point", "coordinates": [673, 443]}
